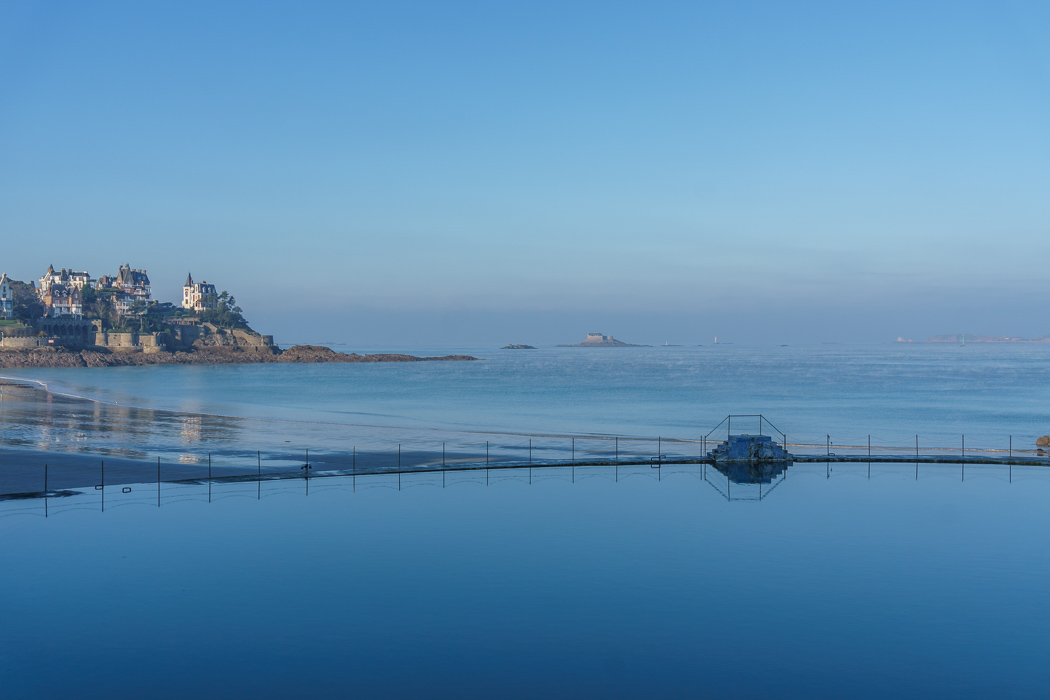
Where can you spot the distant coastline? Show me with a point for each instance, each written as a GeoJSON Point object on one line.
{"type": "Point", "coordinates": [218, 355]}
{"type": "Point", "coordinates": [970, 338]}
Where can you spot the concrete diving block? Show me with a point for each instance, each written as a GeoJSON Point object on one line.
{"type": "Point", "coordinates": [749, 448]}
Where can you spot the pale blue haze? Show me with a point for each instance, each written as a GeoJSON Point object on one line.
{"type": "Point", "coordinates": [450, 173]}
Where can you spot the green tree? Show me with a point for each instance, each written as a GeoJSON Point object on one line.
{"type": "Point", "coordinates": [225, 312]}
{"type": "Point", "coordinates": [25, 302]}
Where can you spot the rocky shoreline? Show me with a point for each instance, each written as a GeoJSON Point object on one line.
{"type": "Point", "coordinates": [209, 355]}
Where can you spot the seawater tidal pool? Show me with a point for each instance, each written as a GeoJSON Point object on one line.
{"type": "Point", "coordinates": [823, 580]}
{"type": "Point", "coordinates": [830, 581]}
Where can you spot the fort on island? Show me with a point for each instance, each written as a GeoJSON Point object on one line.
{"type": "Point", "coordinates": [69, 308]}
{"type": "Point", "coordinates": [600, 340]}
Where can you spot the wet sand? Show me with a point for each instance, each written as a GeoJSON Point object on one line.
{"type": "Point", "coordinates": [23, 472]}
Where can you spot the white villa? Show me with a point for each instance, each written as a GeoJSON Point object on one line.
{"type": "Point", "coordinates": [198, 296]}
{"type": "Point", "coordinates": [60, 292]}
{"type": "Point", "coordinates": [64, 277]}
{"type": "Point", "coordinates": [7, 299]}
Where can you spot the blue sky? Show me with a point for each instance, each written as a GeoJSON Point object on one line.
{"type": "Point", "coordinates": [486, 172]}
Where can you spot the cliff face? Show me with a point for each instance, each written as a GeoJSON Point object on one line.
{"type": "Point", "coordinates": [209, 355]}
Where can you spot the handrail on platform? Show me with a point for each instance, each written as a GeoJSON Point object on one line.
{"type": "Point", "coordinates": [761, 419]}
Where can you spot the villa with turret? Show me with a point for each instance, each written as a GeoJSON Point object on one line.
{"type": "Point", "coordinates": [198, 296]}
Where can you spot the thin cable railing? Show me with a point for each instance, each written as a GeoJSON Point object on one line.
{"type": "Point", "coordinates": [41, 471]}
{"type": "Point", "coordinates": [729, 483]}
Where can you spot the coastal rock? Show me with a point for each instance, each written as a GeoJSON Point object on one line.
{"type": "Point", "coordinates": [42, 357]}
{"type": "Point", "coordinates": [517, 346]}
{"type": "Point", "coordinates": [318, 353]}
{"type": "Point", "coordinates": [206, 355]}
{"type": "Point", "coordinates": [1043, 441]}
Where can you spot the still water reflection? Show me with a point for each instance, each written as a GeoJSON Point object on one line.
{"type": "Point", "coordinates": [549, 582]}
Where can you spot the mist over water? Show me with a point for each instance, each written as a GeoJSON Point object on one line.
{"type": "Point", "coordinates": [892, 392]}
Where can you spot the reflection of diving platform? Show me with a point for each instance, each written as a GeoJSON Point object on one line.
{"type": "Point", "coordinates": [747, 459]}
{"type": "Point", "coordinates": [745, 481]}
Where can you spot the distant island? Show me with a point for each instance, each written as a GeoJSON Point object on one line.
{"type": "Point", "coordinates": [517, 346]}
{"type": "Point", "coordinates": [598, 340]}
{"type": "Point", "coordinates": [968, 338]}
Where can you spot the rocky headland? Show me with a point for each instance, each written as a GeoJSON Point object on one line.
{"type": "Point", "coordinates": [203, 355]}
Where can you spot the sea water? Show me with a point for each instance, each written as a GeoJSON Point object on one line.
{"type": "Point", "coordinates": [815, 394]}
{"type": "Point", "coordinates": [592, 582]}
{"type": "Point", "coordinates": [823, 581]}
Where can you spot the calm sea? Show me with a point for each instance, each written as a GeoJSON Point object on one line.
{"type": "Point", "coordinates": [813, 394]}
{"type": "Point", "coordinates": [818, 581]}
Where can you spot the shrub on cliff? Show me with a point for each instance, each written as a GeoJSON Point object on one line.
{"type": "Point", "coordinates": [225, 314]}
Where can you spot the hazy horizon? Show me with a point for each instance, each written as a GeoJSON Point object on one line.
{"type": "Point", "coordinates": [466, 173]}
